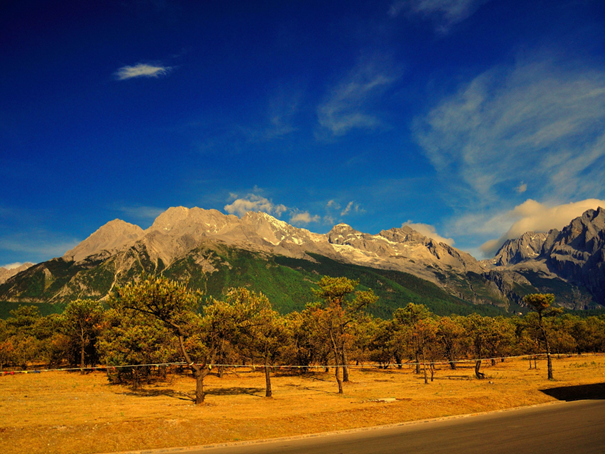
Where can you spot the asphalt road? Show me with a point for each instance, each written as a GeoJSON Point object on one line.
{"type": "Point", "coordinates": [568, 427]}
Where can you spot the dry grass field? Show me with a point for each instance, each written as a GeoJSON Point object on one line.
{"type": "Point", "coordinates": [63, 412]}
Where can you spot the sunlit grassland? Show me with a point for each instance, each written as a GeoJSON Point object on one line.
{"type": "Point", "coordinates": [61, 412]}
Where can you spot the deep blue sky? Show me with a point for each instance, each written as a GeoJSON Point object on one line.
{"type": "Point", "coordinates": [472, 119]}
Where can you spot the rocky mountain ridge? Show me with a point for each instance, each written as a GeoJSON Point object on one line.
{"type": "Point", "coordinates": [7, 273]}
{"type": "Point", "coordinates": [193, 242]}
{"type": "Point", "coordinates": [179, 230]}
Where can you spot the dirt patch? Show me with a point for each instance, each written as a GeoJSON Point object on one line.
{"type": "Point", "coordinates": [58, 412]}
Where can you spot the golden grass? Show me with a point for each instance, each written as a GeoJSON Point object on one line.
{"type": "Point", "coordinates": [60, 412]}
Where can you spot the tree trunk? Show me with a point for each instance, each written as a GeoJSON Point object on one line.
{"type": "Point", "coordinates": [268, 390]}
{"type": "Point", "coordinates": [345, 369]}
{"type": "Point", "coordinates": [336, 360]}
{"type": "Point", "coordinates": [338, 380]}
{"type": "Point", "coordinates": [82, 350]}
{"type": "Point", "coordinates": [426, 382]}
{"type": "Point", "coordinates": [479, 375]}
{"type": "Point", "coordinates": [548, 358]}
{"type": "Point", "coordinates": [432, 371]}
{"type": "Point", "coordinates": [417, 362]}
{"type": "Point", "coordinates": [199, 386]}
{"type": "Point", "coordinates": [397, 360]}
{"type": "Point", "coordinates": [82, 358]}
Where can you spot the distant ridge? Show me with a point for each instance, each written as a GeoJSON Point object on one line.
{"type": "Point", "coordinates": [207, 248]}
{"type": "Point", "coordinates": [7, 273]}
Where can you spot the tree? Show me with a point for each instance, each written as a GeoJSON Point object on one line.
{"type": "Point", "coordinates": [406, 321]}
{"type": "Point", "coordinates": [337, 314]}
{"type": "Point", "coordinates": [450, 334]}
{"type": "Point", "coordinates": [542, 304]}
{"type": "Point", "coordinates": [20, 343]}
{"type": "Point", "coordinates": [135, 339]}
{"type": "Point", "coordinates": [82, 322]}
{"type": "Point", "coordinates": [306, 341]}
{"type": "Point", "coordinates": [479, 329]}
{"type": "Point", "coordinates": [175, 306]}
{"type": "Point", "coordinates": [263, 334]}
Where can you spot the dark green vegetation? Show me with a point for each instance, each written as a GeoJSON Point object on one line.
{"type": "Point", "coordinates": [214, 268]}
{"type": "Point", "coordinates": [44, 308]}
{"type": "Point", "coordinates": [287, 282]}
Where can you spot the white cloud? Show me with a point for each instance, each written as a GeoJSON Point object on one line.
{"type": "Point", "coordinates": [141, 70]}
{"type": "Point", "coordinates": [304, 218]}
{"type": "Point", "coordinates": [429, 231]}
{"type": "Point", "coordinates": [521, 188]}
{"type": "Point", "coordinates": [332, 204]}
{"type": "Point", "coordinates": [351, 207]}
{"type": "Point", "coordinates": [253, 202]}
{"type": "Point", "coordinates": [347, 105]}
{"type": "Point", "coordinates": [347, 209]}
{"type": "Point", "coordinates": [532, 216]}
{"type": "Point", "coordinates": [11, 266]}
{"type": "Point", "coordinates": [538, 122]}
{"type": "Point", "coordinates": [444, 13]}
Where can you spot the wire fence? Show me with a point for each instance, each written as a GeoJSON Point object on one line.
{"type": "Point", "coordinates": [372, 365]}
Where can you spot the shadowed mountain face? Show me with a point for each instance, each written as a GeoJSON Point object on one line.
{"type": "Point", "coordinates": [7, 273]}
{"type": "Point", "coordinates": [527, 247]}
{"type": "Point", "coordinates": [577, 253]}
{"type": "Point", "coordinates": [203, 246]}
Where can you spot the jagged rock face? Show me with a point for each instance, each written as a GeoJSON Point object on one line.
{"type": "Point", "coordinates": [111, 237]}
{"type": "Point", "coordinates": [180, 230]}
{"type": "Point", "coordinates": [577, 252]}
{"type": "Point", "coordinates": [573, 258]}
{"type": "Point", "coordinates": [527, 247]}
{"type": "Point", "coordinates": [7, 273]}
{"type": "Point", "coordinates": [402, 249]}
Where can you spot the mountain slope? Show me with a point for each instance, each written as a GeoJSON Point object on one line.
{"type": "Point", "coordinates": [213, 252]}
{"type": "Point", "coordinates": [6, 273]}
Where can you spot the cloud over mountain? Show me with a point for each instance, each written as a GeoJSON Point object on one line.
{"type": "Point", "coordinates": [253, 202]}
{"type": "Point", "coordinates": [532, 216]}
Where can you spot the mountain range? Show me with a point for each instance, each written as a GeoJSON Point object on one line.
{"type": "Point", "coordinates": [214, 251]}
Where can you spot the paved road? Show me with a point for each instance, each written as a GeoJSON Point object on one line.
{"type": "Point", "coordinates": [569, 427]}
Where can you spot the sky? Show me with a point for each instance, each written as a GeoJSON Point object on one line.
{"type": "Point", "coordinates": [472, 121]}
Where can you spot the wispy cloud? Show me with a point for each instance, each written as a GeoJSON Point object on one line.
{"type": "Point", "coordinates": [532, 216]}
{"type": "Point", "coordinates": [11, 266]}
{"type": "Point", "coordinates": [444, 13]}
{"type": "Point", "coordinates": [304, 218]}
{"type": "Point", "coordinates": [37, 246]}
{"type": "Point", "coordinates": [536, 122]}
{"type": "Point", "coordinates": [279, 119]}
{"type": "Point", "coordinates": [351, 207]}
{"type": "Point", "coordinates": [348, 104]}
{"type": "Point", "coordinates": [141, 70]}
{"type": "Point", "coordinates": [253, 202]}
{"type": "Point", "coordinates": [429, 231]}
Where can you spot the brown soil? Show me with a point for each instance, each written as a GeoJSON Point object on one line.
{"type": "Point", "coordinates": [60, 412]}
